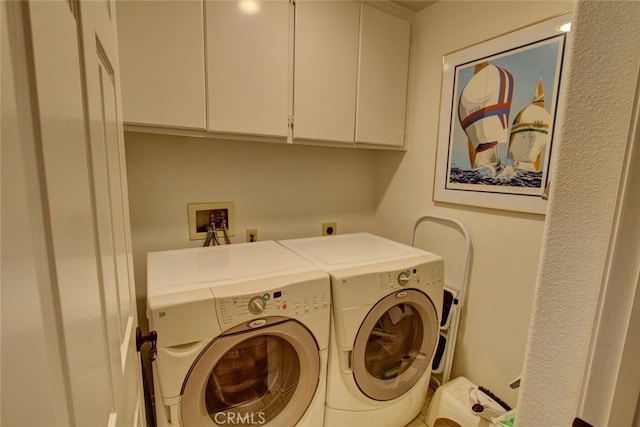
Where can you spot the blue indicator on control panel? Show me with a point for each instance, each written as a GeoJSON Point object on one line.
{"type": "Point", "coordinates": [277, 294]}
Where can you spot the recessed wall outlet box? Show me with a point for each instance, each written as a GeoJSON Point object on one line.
{"type": "Point", "coordinates": [217, 214]}
{"type": "Point", "coordinates": [329, 228]}
{"type": "Point", "coordinates": [252, 234]}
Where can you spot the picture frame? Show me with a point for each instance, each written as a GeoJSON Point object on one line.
{"type": "Point", "coordinates": [498, 109]}
{"type": "Point", "coordinates": [199, 215]}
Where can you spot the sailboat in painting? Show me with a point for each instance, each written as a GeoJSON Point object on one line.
{"type": "Point", "coordinates": [530, 133]}
{"type": "Point", "coordinates": [483, 111]}
{"type": "Point", "coordinates": [499, 154]}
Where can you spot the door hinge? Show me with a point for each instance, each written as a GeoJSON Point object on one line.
{"type": "Point", "coordinates": [290, 121]}
{"type": "Point", "coordinates": [150, 337]}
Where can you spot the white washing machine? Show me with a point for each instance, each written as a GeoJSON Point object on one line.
{"type": "Point", "coordinates": [243, 336]}
{"type": "Point", "coordinates": [386, 308]}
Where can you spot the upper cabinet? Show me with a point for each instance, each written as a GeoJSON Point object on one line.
{"type": "Point", "coordinates": [320, 72]}
{"type": "Point", "coordinates": [162, 63]}
{"type": "Point", "coordinates": [247, 56]}
{"type": "Point", "coordinates": [326, 70]}
{"type": "Point", "coordinates": [350, 71]}
{"type": "Point", "coordinates": [382, 78]}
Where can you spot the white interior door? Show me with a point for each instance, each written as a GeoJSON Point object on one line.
{"type": "Point", "coordinates": [53, 349]}
{"type": "Point", "coordinates": [99, 58]}
{"type": "Point", "coordinates": [68, 321]}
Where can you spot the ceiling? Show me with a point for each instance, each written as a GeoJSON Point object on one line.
{"type": "Point", "coordinates": [414, 5]}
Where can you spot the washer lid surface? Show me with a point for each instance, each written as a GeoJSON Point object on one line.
{"type": "Point", "coordinates": [185, 269]}
{"type": "Point", "coordinates": [350, 250]}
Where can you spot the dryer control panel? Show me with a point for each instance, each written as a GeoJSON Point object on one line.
{"type": "Point", "coordinates": [286, 301]}
{"type": "Point", "coordinates": [355, 288]}
{"type": "Point", "coordinates": [416, 277]}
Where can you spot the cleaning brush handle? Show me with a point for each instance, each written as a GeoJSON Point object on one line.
{"type": "Point", "coordinates": [495, 398]}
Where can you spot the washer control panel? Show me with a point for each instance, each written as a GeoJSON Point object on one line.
{"type": "Point", "coordinates": [287, 301]}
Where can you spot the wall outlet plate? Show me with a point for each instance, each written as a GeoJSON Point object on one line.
{"type": "Point", "coordinates": [329, 228]}
{"type": "Point", "coordinates": [252, 234]}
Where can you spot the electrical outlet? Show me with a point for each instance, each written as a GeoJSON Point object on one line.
{"type": "Point", "coordinates": [329, 228]}
{"type": "Point", "coordinates": [252, 234]}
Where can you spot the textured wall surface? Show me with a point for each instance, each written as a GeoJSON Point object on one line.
{"type": "Point", "coordinates": [590, 152]}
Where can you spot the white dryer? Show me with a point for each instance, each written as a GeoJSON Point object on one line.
{"type": "Point", "coordinates": [386, 307]}
{"type": "Point", "coordinates": [243, 336]}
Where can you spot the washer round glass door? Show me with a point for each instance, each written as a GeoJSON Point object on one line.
{"type": "Point", "coordinates": [395, 344]}
{"type": "Point", "coordinates": [265, 376]}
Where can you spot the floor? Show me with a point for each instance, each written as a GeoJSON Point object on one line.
{"type": "Point", "coordinates": [419, 420]}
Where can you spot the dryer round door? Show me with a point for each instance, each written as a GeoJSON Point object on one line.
{"type": "Point", "coordinates": [264, 376]}
{"type": "Point", "coordinates": [395, 344]}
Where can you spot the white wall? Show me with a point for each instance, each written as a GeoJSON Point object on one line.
{"type": "Point", "coordinates": [495, 319]}
{"type": "Point", "coordinates": [284, 191]}
{"type": "Point", "coordinates": [604, 67]}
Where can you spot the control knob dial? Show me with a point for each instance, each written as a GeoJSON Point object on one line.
{"type": "Point", "coordinates": [257, 305]}
{"type": "Point", "coordinates": [403, 278]}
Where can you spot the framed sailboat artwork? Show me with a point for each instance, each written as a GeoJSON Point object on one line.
{"type": "Point", "coordinates": [498, 114]}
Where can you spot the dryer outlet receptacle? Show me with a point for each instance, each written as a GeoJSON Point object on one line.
{"type": "Point", "coordinates": [329, 228]}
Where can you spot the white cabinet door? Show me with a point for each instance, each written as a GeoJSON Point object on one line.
{"type": "Point", "coordinates": [162, 62]}
{"type": "Point", "coordinates": [248, 63]}
{"type": "Point", "coordinates": [325, 70]}
{"type": "Point", "coordinates": [382, 81]}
